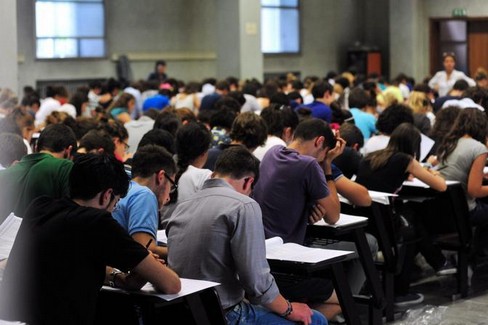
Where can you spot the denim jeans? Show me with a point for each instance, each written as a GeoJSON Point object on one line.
{"type": "Point", "coordinates": [245, 313]}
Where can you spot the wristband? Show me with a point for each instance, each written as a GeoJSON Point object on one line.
{"type": "Point", "coordinates": [288, 311]}
{"type": "Point", "coordinates": [329, 177]}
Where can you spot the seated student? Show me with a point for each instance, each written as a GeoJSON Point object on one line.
{"type": "Point", "coordinates": [192, 143]}
{"type": "Point", "coordinates": [388, 120]}
{"type": "Point", "coordinates": [248, 130]}
{"type": "Point", "coordinates": [281, 122]}
{"type": "Point", "coordinates": [323, 97]}
{"type": "Point", "coordinates": [153, 172]}
{"type": "Point", "coordinates": [220, 125]}
{"type": "Point", "coordinates": [120, 137]}
{"type": "Point", "coordinates": [96, 141]}
{"type": "Point", "coordinates": [462, 155]}
{"type": "Point", "coordinates": [301, 171]}
{"type": "Point", "coordinates": [65, 246]}
{"type": "Point", "coordinates": [12, 149]}
{"type": "Point", "coordinates": [222, 216]}
{"type": "Point", "coordinates": [121, 109]}
{"type": "Point", "coordinates": [385, 171]}
{"type": "Point", "coordinates": [137, 128]}
{"type": "Point", "coordinates": [348, 161]}
{"type": "Point", "coordinates": [42, 173]}
{"type": "Point", "coordinates": [358, 101]}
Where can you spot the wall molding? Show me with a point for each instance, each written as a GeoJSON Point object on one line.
{"type": "Point", "coordinates": [167, 56]}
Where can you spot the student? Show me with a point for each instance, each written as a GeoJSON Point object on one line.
{"type": "Point", "coordinates": [153, 171]}
{"type": "Point", "coordinates": [385, 171]}
{"type": "Point", "coordinates": [42, 173]}
{"type": "Point", "coordinates": [462, 156]}
{"type": "Point", "coordinates": [301, 171]}
{"type": "Point", "coordinates": [57, 264]}
{"type": "Point", "coordinates": [12, 149]}
{"type": "Point", "coordinates": [227, 245]}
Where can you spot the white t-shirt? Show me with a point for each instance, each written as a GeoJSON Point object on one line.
{"type": "Point", "coordinates": [270, 142]}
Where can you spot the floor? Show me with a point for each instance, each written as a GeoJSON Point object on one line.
{"type": "Point", "coordinates": [441, 307]}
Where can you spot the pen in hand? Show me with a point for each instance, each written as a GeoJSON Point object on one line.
{"type": "Point", "coordinates": [149, 243]}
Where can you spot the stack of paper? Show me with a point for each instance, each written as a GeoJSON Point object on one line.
{"type": "Point", "coordinates": [8, 232]}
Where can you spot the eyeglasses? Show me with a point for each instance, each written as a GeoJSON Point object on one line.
{"type": "Point", "coordinates": [126, 146]}
{"type": "Point", "coordinates": [174, 186]}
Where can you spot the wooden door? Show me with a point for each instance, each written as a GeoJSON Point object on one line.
{"type": "Point", "coordinates": [477, 45]}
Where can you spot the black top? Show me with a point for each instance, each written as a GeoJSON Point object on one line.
{"type": "Point", "coordinates": [214, 154]}
{"type": "Point", "coordinates": [348, 162]}
{"type": "Point", "coordinates": [157, 76]}
{"type": "Point", "coordinates": [388, 178]}
{"type": "Point", "coordinates": [57, 265]}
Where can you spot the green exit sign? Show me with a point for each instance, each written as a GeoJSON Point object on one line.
{"type": "Point", "coordinates": [459, 12]}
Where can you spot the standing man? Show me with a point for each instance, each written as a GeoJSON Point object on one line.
{"type": "Point", "coordinates": [153, 173]}
{"type": "Point", "coordinates": [159, 73]}
{"type": "Point", "coordinates": [224, 242]}
{"type": "Point", "coordinates": [58, 262]}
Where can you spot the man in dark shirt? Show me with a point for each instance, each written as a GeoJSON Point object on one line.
{"type": "Point", "coordinates": [58, 262]}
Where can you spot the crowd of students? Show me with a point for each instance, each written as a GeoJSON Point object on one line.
{"type": "Point", "coordinates": [222, 165]}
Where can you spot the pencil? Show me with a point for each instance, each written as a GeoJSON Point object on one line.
{"type": "Point", "coordinates": [149, 243]}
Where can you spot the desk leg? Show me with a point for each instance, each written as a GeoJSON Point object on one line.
{"type": "Point", "coordinates": [343, 291]}
{"type": "Point", "coordinates": [370, 271]}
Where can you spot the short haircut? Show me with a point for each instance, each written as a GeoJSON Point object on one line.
{"type": "Point", "coordinates": [278, 117]}
{"type": "Point", "coordinates": [151, 159]}
{"type": "Point", "coordinates": [280, 98]}
{"type": "Point", "coordinates": [319, 89]}
{"type": "Point", "coordinates": [56, 138]}
{"type": "Point", "coordinates": [158, 137]}
{"type": "Point", "coordinates": [237, 162]}
{"type": "Point", "coordinates": [351, 134]}
{"type": "Point", "coordinates": [461, 85]}
{"type": "Point", "coordinates": [192, 140]}
{"type": "Point", "coordinates": [168, 121]}
{"type": "Point", "coordinates": [228, 102]}
{"type": "Point", "coordinates": [96, 139]}
{"type": "Point", "coordinates": [223, 117]}
{"type": "Point", "coordinates": [393, 116]}
{"type": "Point", "coordinates": [95, 173]}
{"type": "Point", "coordinates": [358, 98]}
{"type": "Point", "coordinates": [311, 128]}
{"type": "Point", "coordinates": [249, 129]}
{"type": "Point", "coordinates": [115, 129]}
{"type": "Point", "coordinates": [12, 148]}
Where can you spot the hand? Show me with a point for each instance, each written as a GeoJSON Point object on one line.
{"type": "Point", "coordinates": [318, 212]}
{"type": "Point", "coordinates": [301, 313]}
{"type": "Point", "coordinates": [338, 149]}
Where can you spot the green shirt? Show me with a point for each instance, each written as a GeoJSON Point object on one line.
{"type": "Point", "coordinates": [35, 175]}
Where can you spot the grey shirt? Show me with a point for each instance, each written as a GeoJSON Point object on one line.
{"type": "Point", "coordinates": [217, 235]}
{"type": "Point", "coordinates": [458, 164]}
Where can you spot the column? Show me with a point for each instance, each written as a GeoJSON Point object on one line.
{"type": "Point", "coordinates": [8, 39]}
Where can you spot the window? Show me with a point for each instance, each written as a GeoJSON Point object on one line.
{"type": "Point", "coordinates": [70, 29]}
{"type": "Point", "coordinates": [280, 26]}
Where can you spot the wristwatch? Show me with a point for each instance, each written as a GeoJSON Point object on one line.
{"type": "Point", "coordinates": [113, 274]}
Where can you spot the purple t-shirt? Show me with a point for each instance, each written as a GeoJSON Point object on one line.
{"type": "Point", "coordinates": [289, 184]}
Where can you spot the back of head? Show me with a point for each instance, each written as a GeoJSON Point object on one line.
{"type": "Point", "coordinates": [228, 102]}
{"type": "Point", "coordinates": [95, 173]}
{"type": "Point", "coordinates": [444, 119]}
{"type": "Point", "coordinates": [358, 98]}
{"type": "Point", "coordinates": [192, 140]}
{"type": "Point", "coordinates": [405, 138]}
{"type": "Point", "coordinates": [12, 148]}
{"type": "Point", "coordinates": [393, 116]}
{"type": "Point", "coordinates": [277, 117]}
{"type": "Point", "coordinates": [56, 138]}
{"type": "Point", "coordinates": [320, 88]}
{"type": "Point", "coordinates": [418, 102]}
{"type": "Point", "coordinates": [249, 129]}
{"type": "Point", "coordinates": [115, 129]}
{"type": "Point", "coordinates": [460, 85]}
{"type": "Point", "coordinates": [352, 135]}
{"type": "Point", "coordinates": [150, 159]}
{"type": "Point", "coordinates": [158, 137]}
{"type": "Point", "coordinates": [236, 162]}
{"type": "Point", "coordinates": [223, 117]}
{"type": "Point", "coordinates": [83, 125]}
{"type": "Point", "coordinates": [96, 140]}
{"type": "Point", "coordinates": [168, 121]}
{"type": "Point", "coordinates": [280, 99]}
{"type": "Point", "coordinates": [311, 128]}
{"type": "Point", "coordinates": [238, 96]}
{"type": "Point", "coordinates": [479, 95]}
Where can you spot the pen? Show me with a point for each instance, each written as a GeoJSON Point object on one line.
{"type": "Point", "coordinates": [149, 243]}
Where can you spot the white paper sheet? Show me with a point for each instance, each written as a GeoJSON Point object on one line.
{"type": "Point", "coordinates": [344, 220]}
{"type": "Point", "coordinates": [8, 232]}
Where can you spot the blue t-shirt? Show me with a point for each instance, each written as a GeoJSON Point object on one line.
{"type": "Point", "coordinates": [318, 110]}
{"type": "Point", "coordinates": [289, 185]}
{"type": "Point", "coordinates": [138, 211]}
{"type": "Point", "coordinates": [364, 121]}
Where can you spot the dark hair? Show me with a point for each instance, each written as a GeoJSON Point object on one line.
{"type": "Point", "coordinates": [238, 96]}
{"type": "Point", "coordinates": [405, 139]}
{"type": "Point", "coordinates": [115, 129]}
{"type": "Point", "coordinates": [222, 85]}
{"type": "Point", "coordinates": [78, 99]}
{"type": "Point", "coordinates": [249, 129]}
{"type": "Point", "coordinates": [311, 128]}
{"type": "Point", "coordinates": [159, 62]}
{"type": "Point", "coordinates": [358, 98]}
{"type": "Point", "coordinates": [236, 162]}
{"type": "Point", "coordinates": [393, 116]}
{"type": "Point", "coordinates": [479, 95]}
{"type": "Point", "coordinates": [168, 121]}
{"type": "Point", "coordinates": [97, 139]}
{"type": "Point", "coordinates": [461, 85]}
{"type": "Point", "coordinates": [122, 101]}
{"type": "Point", "coordinates": [470, 121]}
{"type": "Point", "coordinates": [228, 102]}
{"type": "Point", "coordinates": [320, 88]}
{"type": "Point", "coordinates": [280, 99]}
{"type": "Point", "coordinates": [192, 140]}
{"type": "Point", "coordinates": [351, 134]}
{"type": "Point", "coordinates": [292, 95]}
{"type": "Point", "coordinates": [223, 117]}
{"type": "Point", "coordinates": [56, 138]}
{"type": "Point", "coordinates": [83, 125]}
{"type": "Point", "coordinates": [158, 137]}
{"type": "Point", "coordinates": [150, 159]}
{"type": "Point", "coordinates": [277, 117]}
{"type": "Point", "coordinates": [12, 148]}
{"type": "Point", "coordinates": [444, 119]}
{"type": "Point", "coordinates": [95, 173]}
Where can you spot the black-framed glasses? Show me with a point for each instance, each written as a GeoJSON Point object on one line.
{"type": "Point", "coordinates": [126, 145]}
{"type": "Point", "coordinates": [174, 186]}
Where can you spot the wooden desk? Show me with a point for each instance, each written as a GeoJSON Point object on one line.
{"type": "Point", "coordinates": [355, 233]}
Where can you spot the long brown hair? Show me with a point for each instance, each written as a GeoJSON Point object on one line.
{"type": "Point", "coordinates": [472, 122]}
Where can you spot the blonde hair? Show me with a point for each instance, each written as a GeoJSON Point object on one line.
{"type": "Point", "coordinates": [418, 102]}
